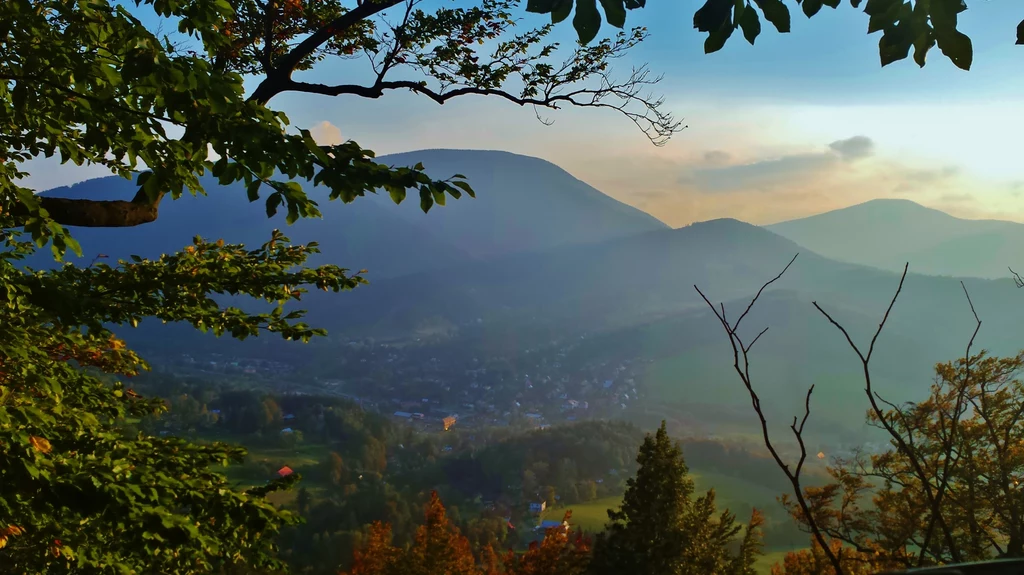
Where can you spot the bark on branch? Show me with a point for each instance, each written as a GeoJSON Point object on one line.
{"type": "Point", "coordinates": [95, 213]}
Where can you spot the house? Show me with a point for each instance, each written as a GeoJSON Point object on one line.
{"type": "Point", "coordinates": [538, 507]}
{"type": "Point", "coordinates": [284, 471]}
{"type": "Point", "coordinates": [286, 431]}
{"type": "Point", "coordinates": [545, 525]}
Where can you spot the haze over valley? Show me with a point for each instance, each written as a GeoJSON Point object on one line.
{"type": "Point", "coordinates": [575, 286]}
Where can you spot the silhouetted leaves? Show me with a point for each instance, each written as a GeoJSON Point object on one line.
{"type": "Point", "coordinates": [587, 21]}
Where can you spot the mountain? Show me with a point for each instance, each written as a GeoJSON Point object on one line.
{"type": "Point", "coordinates": [360, 235]}
{"type": "Point", "coordinates": [887, 233]}
{"type": "Point", "coordinates": [634, 298]}
{"type": "Point", "coordinates": [628, 281]}
{"type": "Point", "coordinates": [522, 204]}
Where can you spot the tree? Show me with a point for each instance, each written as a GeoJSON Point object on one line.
{"type": "Point", "coordinates": [921, 25]}
{"type": "Point", "coordinates": [560, 552]}
{"type": "Point", "coordinates": [945, 492]}
{"type": "Point", "coordinates": [89, 82]}
{"type": "Point", "coordinates": [96, 67]}
{"type": "Point", "coordinates": [660, 529]}
{"type": "Point", "coordinates": [378, 556]}
{"type": "Point", "coordinates": [965, 438]}
{"type": "Point", "coordinates": [439, 549]}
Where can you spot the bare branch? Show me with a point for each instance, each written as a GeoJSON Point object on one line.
{"type": "Point", "coordinates": [655, 124]}
{"type": "Point", "coordinates": [1017, 279]}
{"type": "Point", "coordinates": [934, 498]}
{"type": "Point", "coordinates": [741, 364]}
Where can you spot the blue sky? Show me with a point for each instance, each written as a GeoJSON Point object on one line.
{"type": "Point", "coordinates": [767, 124]}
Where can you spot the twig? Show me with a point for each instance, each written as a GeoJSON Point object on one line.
{"type": "Point", "coordinates": [740, 351]}
{"type": "Point", "coordinates": [907, 449]}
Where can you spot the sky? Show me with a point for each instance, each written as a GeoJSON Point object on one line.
{"type": "Point", "coordinates": [799, 124]}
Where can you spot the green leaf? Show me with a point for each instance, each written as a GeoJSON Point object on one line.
{"type": "Point", "coordinates": [716, 40]}
{"type": "Point", "coordinates": [587, 21]}
{"type": "Point", "coordinates": [957, 47]}
{"type": "Point", "coordinates": [273, 201]}
{"type": "Point", "coordinates": [713, 16]}
{"type": "Point", "coordinates": [426, 200]}
{"type": "Point", "coordinates": [614, 12]}
{"type": "Point", "coordinates": [894, 45]}
{"type": "Point", "coordinates": [540, 6]}
{"type": "Point", "coordinates": [776, 12]}
{"type": "Point", "coordinates": [811, 7]}
{"type": "Point", "coordinates": [253, 190]}
{"type": "Point", "coordinates": [560, 11]}
{"type": "Point", "coordinates": [750, 24]}
{"type": "Point", "coordinates": [922, 44]}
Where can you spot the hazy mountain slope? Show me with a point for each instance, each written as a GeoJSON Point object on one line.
{"type": "Point", "coordinates": [363, 234]}
{"type": "Point", "coordinates": [523, 204]}
{"type": "Point", "coordinates": [628, 281]}
{"type": "Point", "coordinates": [888, 233]}
{"type": "Point", "coordinates": [692, 372]}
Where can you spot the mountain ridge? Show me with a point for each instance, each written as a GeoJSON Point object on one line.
{"type": "Point", "coordinates": [887, 233]}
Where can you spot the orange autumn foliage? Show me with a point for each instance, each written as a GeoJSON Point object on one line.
{"type": "Point", "coordinates": [439, 548]}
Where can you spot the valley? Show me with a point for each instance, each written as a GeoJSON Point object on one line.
{"type": "Point", "coordinates": [470, 329]}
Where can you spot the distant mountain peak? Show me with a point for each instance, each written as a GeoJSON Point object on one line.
{"type": "Point", "coordinates": [887, 233]}
{"type": "Point", "coordinates": [878, 207]}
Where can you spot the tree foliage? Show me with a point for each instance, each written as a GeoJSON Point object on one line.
{"type": "Point", "coordinates": [905, 24]}
{"type": "Point", "coordinates": [90, 83]}
{"type": "Point", "coordinates": [75, 484]}
{"type": "Point", "coordinates": [965, 442]}
{"type": "Point", "coordinates": [661, 529]}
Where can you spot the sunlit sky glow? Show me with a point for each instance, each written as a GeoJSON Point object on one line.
{"type": "Point", "coordinates": [761, 121]}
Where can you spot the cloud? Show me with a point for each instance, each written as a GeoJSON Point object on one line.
{"type": "Point", "coordinates": [761, 175]}
{"type": "Point", "coordinates": [914, 180]}
{"type": "Point", "coordinates": [769, 174]}
{"type": "Point", "coordinates": [326, 134]}
{"type": "Point", "coordinates": [853, 148]}
{"type": "Point", "coordinates": [717, 157]}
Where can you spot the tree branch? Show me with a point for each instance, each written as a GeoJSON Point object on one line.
{"type": "Point", "coordinates": [95, 213]}
{"type": "Point", "coordinates": [740, 353]}
{"type": "Point", "coordinates": [933, 499]}
{"type": "Point", "coordinates": [281, 75]}
{"type": "Point", "coordinates": [658, 126]}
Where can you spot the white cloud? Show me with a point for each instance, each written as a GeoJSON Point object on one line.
{"type": "Point", "coordinates": [326, 134]}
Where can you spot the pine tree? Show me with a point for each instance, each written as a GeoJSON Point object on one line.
{"type": "Point", "coordinates": [660, 530]}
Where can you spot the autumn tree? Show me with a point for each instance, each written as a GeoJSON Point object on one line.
{"type": "Point", "coordinates": [562, 551]}
{"type": "Point", "coordinates": [661, 529]}
{"type": "Point", "coordinates": [90, 83]}
{"type": "Point", "coordinates": [378, 556]}
{"type": "Point", "coordinates": [965, 437]}
{"type": "Point", "coordinates": [438, 549]}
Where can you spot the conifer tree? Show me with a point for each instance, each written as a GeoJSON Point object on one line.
{"type": "Point", "coordinates": [660, 530]}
